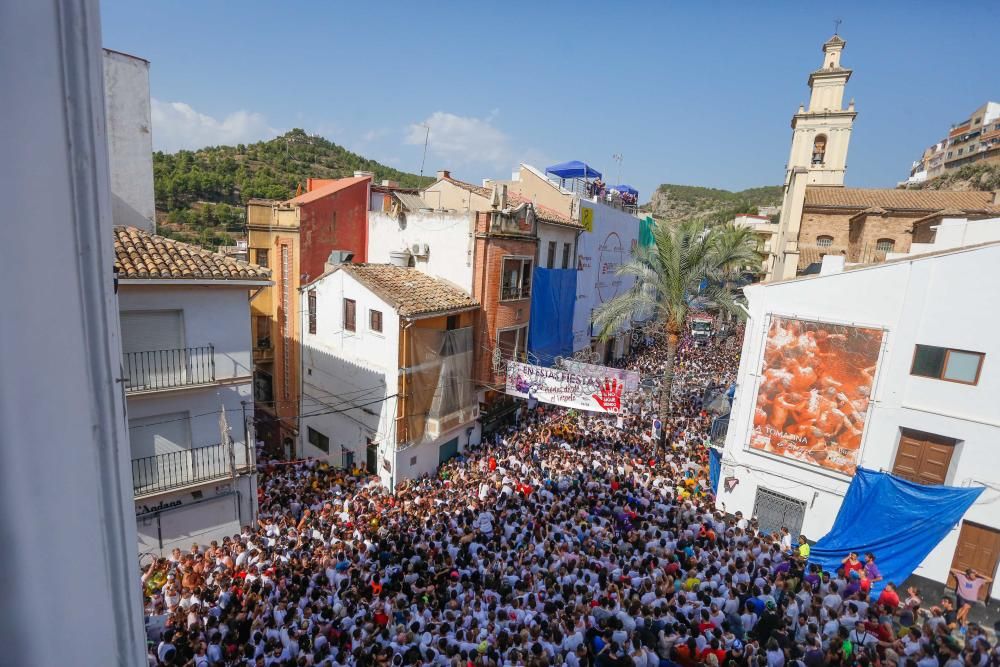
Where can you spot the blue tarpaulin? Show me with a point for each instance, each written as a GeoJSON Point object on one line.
{"type": "Point", "coordinates": [625, 188]}
{"type": "Point", "coordinates": [897, 520]}
{"type": "Point", "coordinates": [573, 169]}
{"type": "Point", "coordinates": [714, 468]}
{"type": "Point", "coordinates": [553, 296]}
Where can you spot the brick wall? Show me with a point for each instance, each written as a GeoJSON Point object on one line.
{"type": "Point", "coordinates": [867, 230]}
{"type": "Point", "coordinates": [835, 224]}
{"type": "Point", "coordinates": [490, 252]}
{"type": "Point", "coordinates": [336, 222]}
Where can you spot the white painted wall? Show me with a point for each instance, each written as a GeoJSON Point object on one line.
{"type": "Point", "coordinates": [64, 481]}
{"type": "Point", "coordinates": [130, 141]}
{"type": "Point", "coordinates": [599, 253]}
{"type": "Point", "coordinates": [341, 369]}
{"type": "Point", "coordinates": [423, 458]}
{"type": "Point", "coordinates": [216, 314]}
{"type": "Point", "coordinates": [955, 233]}
{"type": "Point", "coordinates": [449, 235]}
{"type": "Point", "coordinates": [561, 235]}
{"type": "Point", "coordinates": [932, 300]}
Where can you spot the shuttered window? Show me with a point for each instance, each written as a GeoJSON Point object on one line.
{"type": "Point", "coordinates": [350, 315]}
{"type": "Point", "coordinates": [375, 320]}
{"type": "Point", "coordinates": [312, 311]}
{"type": "Point", "coordinates": [923, 457]}
{"type": "Point", "coordinates": [143, 331]}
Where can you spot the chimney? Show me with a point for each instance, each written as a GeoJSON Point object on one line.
{"type": "Point", "coordinates": [359, 174]}
{"type": "Point", "coordinates": [443, 173]}
{"type": "Point", "coordinates": [996, 197]}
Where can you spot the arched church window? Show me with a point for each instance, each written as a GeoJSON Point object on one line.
{"type": "Point", "coordinates": [885, 245]}
{"type": "Point", "coordinates": [824, 241]}
{"type": "Point", "coordinates": [819, 149]}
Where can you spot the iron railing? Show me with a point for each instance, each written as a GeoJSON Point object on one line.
{"type": "Point", "coordinates": [163, 472]}
{"type": "Point", "coordinates": [154, 370]}
{"type": "Point", "coordinates": [514, 292]}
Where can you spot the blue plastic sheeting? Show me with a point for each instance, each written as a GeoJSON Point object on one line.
{"type": "Point", "coordinates": [573, 169]}
{"type": "Point", "coordinates": [553, 296]}
{"type": "Point", "coordinates": [625, 188]}
{"type": "Point", "coordinates": [714, 468]}
{"type": "Point", "coordinates": [897, 520]}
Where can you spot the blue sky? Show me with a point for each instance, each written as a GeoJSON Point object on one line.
{"type": "Point", "coordinates": [698, 93]}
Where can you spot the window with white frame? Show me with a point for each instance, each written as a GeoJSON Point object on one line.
{"type": "Point", "coordinates": [513, 342]}
{"type": "Point", "coordinates": [515, 280]}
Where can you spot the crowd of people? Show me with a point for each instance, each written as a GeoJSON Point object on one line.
{"type": "Point", "coordinates": [566, 539]}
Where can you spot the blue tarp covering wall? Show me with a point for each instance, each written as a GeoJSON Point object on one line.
{"type": "Point", "coordinates": [553, 296]}
{"type": "Point", "coordinates": [897, 520]}
{"type": "Point", "coordinates": [714, 468]}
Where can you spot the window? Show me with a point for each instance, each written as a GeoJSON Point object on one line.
{"type": "Point", "coordinates": [350, 311]}
{"type": "Point", "coordinates": [312, 311]}
{"type": "Point", "coordinates": [262, 257]}
{"type": "Point", "coordinates": [949, 154]}
{"type": "Point", "coordinates": [824, 241]}
{"type": "Point", "coordinates": [513, 342]}
{"type": "Point", "coordinates": [319, 441]}
{"type": "Point", "coordinates": [923, 457]}
{"type": "Point", "coordinates": [567, 248]}
{"type": "Point", "coordinates": [819, 149]}
{"type": "Point", "coordinates": [452, 322]}
{"type": "Point", "coordinates": [946, 364]}
{"type": "Point", "coordinates": [961, 150]}
{"type": "Point", "coordinates": [375, 320]}
{"type": "Point", "coordinates": [263, 331]}
{"type": "Point", "coordinates": [885, 245]}
{"type": "Point", "coordinates": [552, 255]}
{"type": "Point", "coordinates": [515, 282]}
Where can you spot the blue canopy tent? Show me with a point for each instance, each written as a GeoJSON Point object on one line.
{"type": "Point", "coordinates": [897, 520]}
{"type": "Point", "coordinates": [573, 169]}
{"type": "Point", "coordinates": [625, 189]}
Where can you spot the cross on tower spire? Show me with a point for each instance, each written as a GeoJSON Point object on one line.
{"type": "Point", "coordinates": [836, 26]}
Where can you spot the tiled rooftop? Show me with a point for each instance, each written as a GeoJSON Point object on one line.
{"type": "Point", "coordinates": [408, 290]}
{"type": "Point", "coordinates": [141, 255]}
{"type": "Point", "coordinates": [543, 213]}
{"type": "Point", "coordinates": [918, 200]}
{"type": "Point", "coordinates": [475, 189]}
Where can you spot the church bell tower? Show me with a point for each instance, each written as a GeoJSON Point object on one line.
{"type": "Point", "coordinates": [821, 133]}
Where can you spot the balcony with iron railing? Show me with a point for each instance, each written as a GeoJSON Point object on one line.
{"type": "Point", "coordinates": [186, 467]}
{"type": "Point", "coordinates": [158, 370]}
{"type": "Point", "coordinates": [515, 292]}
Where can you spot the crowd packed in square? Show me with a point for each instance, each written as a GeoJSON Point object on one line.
{"type": "Point", "coordinates": [565, 538]}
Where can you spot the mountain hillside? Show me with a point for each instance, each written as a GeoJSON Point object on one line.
{"type": "Point", "coordinates": [679, 202]}
{"type": "Point", "coordinates": [977, 176]}
{"type": "Point", "coordinates": [200, 195]}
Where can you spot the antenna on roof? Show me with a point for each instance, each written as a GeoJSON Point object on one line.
{"type": "Point", "coordinates": [427, 135]}
{"type": "Point", "coordinates": [836, 26]}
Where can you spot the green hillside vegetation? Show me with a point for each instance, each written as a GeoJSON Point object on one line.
{"type": "Point", "coordinates": [673, 202]}
{"type": "Point", "coordinates": [201, 195]}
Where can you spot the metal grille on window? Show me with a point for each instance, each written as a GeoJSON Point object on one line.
{"type": "Point", "coordinates": [775, 511]}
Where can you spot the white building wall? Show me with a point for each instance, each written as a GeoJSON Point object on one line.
{"type": "Point", "coordinates": [213, 314]}
{"type": "Point", "coordinates": [450, 237]}
{"type": "Point", "coordinates": [934, 301]}
{"type": "Point", "coordinates": [130, 141]}
{"type": "Point", "coordinates": [599, 253]}
{"type": "Point", "coordinates": [561, 236]}
{"type": "Point", "coordinates": [341, 370]}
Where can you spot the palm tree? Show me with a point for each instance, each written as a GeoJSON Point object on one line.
{"type": "Point", "coordinates": [687, 267]}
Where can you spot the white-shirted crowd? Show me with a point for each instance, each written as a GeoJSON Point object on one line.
{"type": "Point", "coordinates": [564, 539]}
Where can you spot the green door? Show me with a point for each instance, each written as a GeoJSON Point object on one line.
{"type": "Point", "coordinates": [448, 450]}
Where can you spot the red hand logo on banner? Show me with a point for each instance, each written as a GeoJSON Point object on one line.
{"type": "Point", "coordinates": [610, 396]}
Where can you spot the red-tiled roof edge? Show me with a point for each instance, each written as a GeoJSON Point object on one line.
{"type": "Point", "coordinates": [328, 189]}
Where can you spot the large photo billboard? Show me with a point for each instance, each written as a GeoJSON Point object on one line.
{"type": "Point", "coordinates": [816, 382]}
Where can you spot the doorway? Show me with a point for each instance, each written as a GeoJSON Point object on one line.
{"type": "Point", "coordinates": [922, 457]}
{"type": "Point", "coordinates": [775, 511]}
{"type": "Point", "coordinates": [371, 460]}
{"type": "Point", "coordinates": [978, 548]}
{"type": "Point", "coordinates": [448, 450]}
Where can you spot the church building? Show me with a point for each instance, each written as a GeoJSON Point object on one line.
{"type": "Point", "coordinates": [819, 216]}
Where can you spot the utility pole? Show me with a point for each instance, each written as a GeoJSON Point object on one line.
{"type": "Point", "coordinates": [617, 157]}
{"type": "Point", "coordinates": [427, 135]}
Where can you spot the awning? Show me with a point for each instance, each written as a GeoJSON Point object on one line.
{"type": "Point", "coordinates": [625, 188]}
{"type": "Point", "coordinates": [573, 169]}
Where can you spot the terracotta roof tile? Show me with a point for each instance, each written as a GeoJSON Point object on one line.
{"type": "Point", "coordinates": [543, 213]}
{"type": "Point", "coordinates": [410, 291]}
{"type": "Point", "coordinates": [915, 200]}
{"type": "Point", "coordinates": [475, 189]}
{"type": "Point", "coordinates": [328, 189]}
{"type": "Point", "coordinates": [141, 255]}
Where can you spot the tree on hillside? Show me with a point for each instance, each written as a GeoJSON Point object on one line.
{"type": "Point", "coordinates": [687, 266]}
